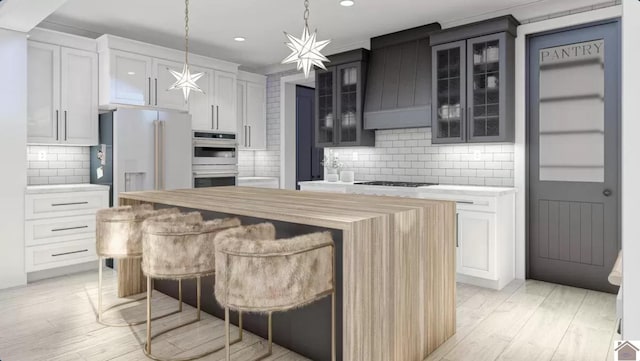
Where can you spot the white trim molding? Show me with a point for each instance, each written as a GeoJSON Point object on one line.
{"type": "Point", "coordinates": [288, 126]}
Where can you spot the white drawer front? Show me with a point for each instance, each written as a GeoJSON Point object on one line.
{"type": "Point", "coordinates": [56, 230]}
{"type": "Point", "coordinates": [38, 258]}
{"type": "Point", "coordinates": [64, 204]}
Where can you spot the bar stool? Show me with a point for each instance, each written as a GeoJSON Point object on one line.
{"type": "Point", "coordinates": [119, 236]}
{"type": "Point", "coordinates": [256, 273]}
{"type": "Point", "coordinates": [177, 247]}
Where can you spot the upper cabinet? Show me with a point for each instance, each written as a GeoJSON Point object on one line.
{"type": "Point", "coordinates": [473, 86]}
{"type": "Point", "coordinates": [252, 112]}
{"type": "Point", "coordinates": [340, 101]}
{"type": "Point", "coordinates": [398, 92]}
{"type": "Point", "coordinates": [63, 95]}
{"type": "Point", "coordinates": [128, 77]}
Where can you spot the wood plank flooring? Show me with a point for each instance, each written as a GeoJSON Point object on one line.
{"type": "Point", "coordinates": [55, 320]}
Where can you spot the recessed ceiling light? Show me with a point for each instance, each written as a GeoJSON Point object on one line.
{"type": "Point", "coordinates": [347, 3]}
{"type": "Point", "coordinates": [131, 73]}
{"type": "Point", "coordinates": [239, 38]}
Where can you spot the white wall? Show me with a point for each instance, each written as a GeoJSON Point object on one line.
{"type": "Point", "coordinates": [13, 149]}
{"type": "Point", "coordinates": [631, 169]}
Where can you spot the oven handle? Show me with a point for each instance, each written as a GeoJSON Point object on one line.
{"type": "Point", "coordinates": [215, 143]}
{"type": "Point", "coordinates": [213, 174]}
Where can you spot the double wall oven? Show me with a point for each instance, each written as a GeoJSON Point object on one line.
{"type": "Point", "coordinates": [215, 159]}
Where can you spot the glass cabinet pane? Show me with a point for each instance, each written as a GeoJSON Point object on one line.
{"type": "Point", "coordinates": [449, 93]}
{"type": "Point", "coordinates": [348, 78]}
{"type": "Point", "coordinates": [485, 88]}
{"type": "Point", "coordinates": [325, 122]}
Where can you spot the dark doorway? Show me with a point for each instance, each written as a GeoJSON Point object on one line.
{"type": "Point", "coordinates": [308, 157]}
{"type": "Point", "coordinates": [573, 155]}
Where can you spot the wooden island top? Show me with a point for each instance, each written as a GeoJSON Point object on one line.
{"type": "Point", "coordinates": [398, 259]}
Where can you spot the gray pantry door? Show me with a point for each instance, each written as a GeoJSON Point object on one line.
{"type": "Point", "coordinates": [573, 155]}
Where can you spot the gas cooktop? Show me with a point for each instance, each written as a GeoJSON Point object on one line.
{"type": "Point", "coordinates": [395, 184]}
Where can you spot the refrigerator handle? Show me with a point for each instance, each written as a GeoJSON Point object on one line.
{"type": "Point", "coordinates": [156, 174]}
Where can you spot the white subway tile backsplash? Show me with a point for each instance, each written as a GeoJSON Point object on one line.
{"type": "Point", "coordinates": [399, 154]}
{"type": "Point", "coordinates": [62, 165]}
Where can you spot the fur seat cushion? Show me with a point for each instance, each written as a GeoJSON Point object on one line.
{"type": "Point", "coordinates": [119, 229]}
{"type": "Point", "coordinates": [181, 245]}
{"type": "Point", "coordinates": [256, 273]}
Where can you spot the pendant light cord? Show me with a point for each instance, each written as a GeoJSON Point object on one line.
{"type": "Point", "coordinates": [186, 31]}
{"type": "Point", "coordinates": [306, 13]}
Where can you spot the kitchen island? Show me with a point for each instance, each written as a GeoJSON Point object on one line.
{"type": "Point", "coordinates": [395, 268]}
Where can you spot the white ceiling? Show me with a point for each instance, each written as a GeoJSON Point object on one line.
{"type": "Point", "coordinates": [214, 23]}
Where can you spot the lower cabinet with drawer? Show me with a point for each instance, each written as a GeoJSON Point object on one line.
{"type": "Point", "coordinates": [60, 225]}
{"type": "Point", "coordinates": [485, 239]}
{"type": "Point", "coordinates": [38, 258]}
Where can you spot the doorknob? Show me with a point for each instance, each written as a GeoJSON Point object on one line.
{"type": "Point", "coordinates": [606, 192]}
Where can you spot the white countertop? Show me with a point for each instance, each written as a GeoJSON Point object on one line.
{"type": "Point", "coordinates": [435, 189]}
{"type": "Point", "coordinates": [58, 188]}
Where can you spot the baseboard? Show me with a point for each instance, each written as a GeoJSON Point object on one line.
{"type": "Point", "coordinates": [62, 271]}
{"type": "Point", "coordinates": [480, 282]}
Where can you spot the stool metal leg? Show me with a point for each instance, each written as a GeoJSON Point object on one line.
{"type": "Point", "coordinates": [228, 343]}
{"type": "Point", "coordinates": [149, 288]}
{"type": "Point", "coordinates": [101, 311]}
{"type": "Point", "coordinates": [99, 289]}
{"type": "Point", "coordinates": [333, 326]}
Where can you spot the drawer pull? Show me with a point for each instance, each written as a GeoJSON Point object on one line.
{"type": "Point", "coordinates": [68, 204]}
{"type": "Point", "coordinates": [66, 253]}
{"type": "Point", "coordinates": [68, 228]}
{"type": "Point", "coordinates": [464, 202]}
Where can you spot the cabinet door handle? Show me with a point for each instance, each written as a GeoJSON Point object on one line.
{"type": "Point", "coordinates": [149, 90]}
{"type": "Point", "coordinates": [68, 228]}
{"type": "Point", "coordinates": [457, 230]}
{"type": "Point", "coordinates": [217, 117]}
{"type": "Point", "coordinates": [65, 125]}
{"type": "Point", "coordinates": [249, 137]}
{"type": "Point", "coordinates": [469, 125]}
{"type": "Point", "coordinates": [245, 135]}
{"type": "Point", "coordinates": [213, 118]}
{"type": "Point", "coordinates": [156, 90]}
{"type": "Point", "coordinates": [57, 125]}
{"type": "Point", "coordinates": [68, 204]}
{"type": "Point", "coordinates": [67, 253]}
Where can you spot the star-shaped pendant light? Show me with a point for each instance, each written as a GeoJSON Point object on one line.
{"type": "Point", "coordinates": [186, 80]}
{"type": "Point", "coordinates": [305, 51]}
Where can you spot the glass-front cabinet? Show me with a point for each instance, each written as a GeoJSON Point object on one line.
{"type": "Point", "coordinates": [486, 99]}
{"type": "Point", "coordinates": [449, 93]}
{"type": "Point", "coordinates": [473, 88]}
{"type": "Point", "coordinates": [339, 102]}
{"type": "Point", "coordinates": [325, 106]}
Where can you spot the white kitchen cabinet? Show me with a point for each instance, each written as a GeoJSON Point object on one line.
{"type": "Point", "coordinates": [252, 117]}
{"type": "Point", "coordinates": [125, 78]}
{"type": "Point", "coordinates": [62, 95]}
{"type": "Point", "coordinates": [162, 80]}
{"type": "Point", "coordinates": [202, 105]}
{"type": "Point", "coordinates": [43, 101]}
{"type": "Point", "coordinates": [60, 225]}
{"type": "Point", "coordinates": [79, 96]}
{"type": "Point", "coordinates": [475, 241]}
{"type": "Point", "coordinates": [485, 229]}
{"type": "Point", "coordinates": [225, 101]}
{"type": "Point", "coordinates": [134, 79]}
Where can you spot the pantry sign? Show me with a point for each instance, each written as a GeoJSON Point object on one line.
{"type": "Point", "coordinates": [590, 50]}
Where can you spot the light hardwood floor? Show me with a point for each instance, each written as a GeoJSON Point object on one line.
{"type": "Point", "coordinates": [55, 320]}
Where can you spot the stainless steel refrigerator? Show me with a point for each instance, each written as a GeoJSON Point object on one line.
{"type": "Point", "coordinates": [142, 149]}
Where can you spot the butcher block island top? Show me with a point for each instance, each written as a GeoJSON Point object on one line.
{"type": "Point", "coordinates": [398, 260]}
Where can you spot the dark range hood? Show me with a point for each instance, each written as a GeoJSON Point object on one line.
{"type": "Point", "coordinates": [398, 88]}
